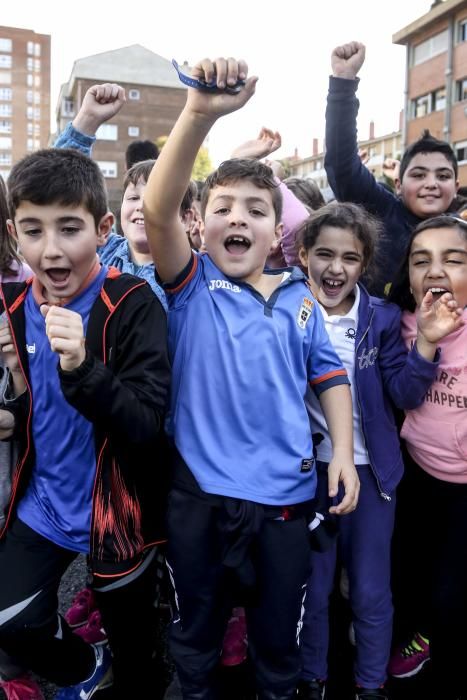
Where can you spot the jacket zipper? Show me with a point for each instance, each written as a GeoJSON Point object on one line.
{"type": "Point", "coordinates": [383, 495]}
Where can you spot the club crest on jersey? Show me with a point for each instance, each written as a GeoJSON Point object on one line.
{"type": "Point", "coordinates": [305, 312]}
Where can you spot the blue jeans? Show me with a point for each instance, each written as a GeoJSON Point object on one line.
{"type": "Point", "coordinates": [364, 545]}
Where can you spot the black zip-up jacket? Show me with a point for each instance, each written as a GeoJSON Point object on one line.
{"type": "Point", "coordinates": [122, 388]}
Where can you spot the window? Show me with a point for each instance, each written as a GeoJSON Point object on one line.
{"type": "Point", "coordinates": [37, 113]}
{"type": "Point", "coordinates": [433, 102]}
{"type": "Point", "coordinates": [68, 107]}
{"type": "Point", "coordinates": [6, 110]}
{"type": "Point", "coordinates": [30, 47]}
{"type": "Point", "coordinates": [37, 81]}
{"type": "Point", "coordinates": [5, 143]}
{"type": "Point", "coordinates": [5, 158]}
{"type": "Point", "coordinates": [30, 64]}
{"type": "Point", "coordinates": [30, 113]}
{"type": "Point", "coordinates": [133, 131]}
{"type": "Point", "coordinates": [37, 49]}
{"type": "Point", "coordinates": [107, 132]}
{"type": "Point", "coordinates": [5, 61]}
{"type": "Point", "coordinates": [30, 128]}
{"type": "Point", "coordinates": [461, 90]}
{"type": "Point", "coordinates": [37, 129]}
{"type": "Point", "coordinates": [30, 80]}
{"type": "Point", "coordinates": [30, 144]}
{"type": "Point", "coordinates": [37, 144]}
{"type": "Point", "coordinates": [431, 47]}
{"type": "Point", "coordinates": [460, 149]}
{"type": "Point", "coordinates": [37, 98]}
{"type": "Point", "coordinates": [133, 94]}
{"type": "Point", "coordinates": [5, 77]}
{"type": "Point", "coordinates": [5, 126]}
{"type": "Point", "coordinates": [439, 98]}
{"type": "Point", "coordinates": [5, 45]}
{"type": "Point", "coordinates": [108, 168]}
{"type": "Point", "coordinates": [462, 32]}
{"type": "Point", "coordinates": [29, 96]}
{"type": "Point", "coordinates": [6, 94]}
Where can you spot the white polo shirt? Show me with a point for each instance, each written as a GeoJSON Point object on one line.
{"type": "Point", "coordinates": [342, 331]}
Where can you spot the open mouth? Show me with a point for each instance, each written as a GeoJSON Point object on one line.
{"type": "Point", "coordinates": [437, 291]}
{"type": "Point", "coordinates": [331, 287]}
{"type": "Point", "coordinates": [237, 245]}
{"type": "Point", "coordinates": [138, 222]}
{"type": "Point", "coordinates": [58, 275]}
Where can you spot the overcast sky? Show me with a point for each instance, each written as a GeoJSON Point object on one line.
{"type": "Point", "coordinates": [288, 48]}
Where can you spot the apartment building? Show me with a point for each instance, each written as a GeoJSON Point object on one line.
{"type": "Point", "coordinates": [377, 149]}
{"type": "Point", "coordinates": [436, 77]}
{"type": "Point", "coordinates": [24, 94]}
{"type": "Point", "coordinates": [155, 98]}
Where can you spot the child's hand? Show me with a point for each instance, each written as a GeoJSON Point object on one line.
{"type": "Point", "coordinates": [7, 424]}
{"type": "Point", "coordinates": [227, 72]}
{"type": "Point", "coordinates": [65, 332]}
{"type": "Point", "coordinates": [435, 320]}
{"type": "Point", "coordinates": [267, 142]}
{"type": "Point", "coordinates": [7, 347]}
{"type": "Point", "coordinates": [101, 102]}
{"type": "Point", "coordinates": [391, 168]}
{"type": "Point", "coordinates": [346, 60]}
{"type": "Point", "coordinates": [343, 470]}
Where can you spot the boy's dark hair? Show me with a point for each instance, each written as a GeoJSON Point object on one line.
{"type": "Point", "coordinates": [8, 252]}
{"type": "Point", "coordinates": [140, 150]}
{"type": "Point", "coordinates": [365, 227]}
{"type": "Point", "coordinates": [231, 171]}
{"type": "Point", "coordinates": [306, 190]}
{"type": "Point", "coordinates": [58, 176]}
{"type": "Point", "coordinates": [142, 170]}
{"type": "Point", "coordinates": [400, 292]}
{"type": "Point", "coordinates": [427, 144]}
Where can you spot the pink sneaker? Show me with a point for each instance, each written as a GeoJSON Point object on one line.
{"type": "Point", "coordinates": [409, 660]}
{"type": "Point", "coordinates": [92, 632]}
{"type": "Point", "coordinates": [23, 688]}
{"type": "Point", "coordinates": [82, 606]}
{"type": "Point", "coordinates": [235, 640]}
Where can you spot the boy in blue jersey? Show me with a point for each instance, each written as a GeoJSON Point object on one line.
{"type": "Point", "coordinates": [90, 346]}
{"type": "Point", "coordinates": [244, 344]}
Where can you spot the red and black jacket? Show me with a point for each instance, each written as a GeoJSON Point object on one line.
{"type": "Point", "coordinates": [122, 388]}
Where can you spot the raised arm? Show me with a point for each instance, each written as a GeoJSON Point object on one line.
{"type": "Point", "coordinates": [348, 177]}
{"type": "Point", "coordinates": [171, 174]}
{"type": "Point", "coordinates": [101, 103]}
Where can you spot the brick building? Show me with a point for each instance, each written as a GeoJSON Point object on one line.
{"type": "Point", "coordinates": [155, 98]}
{"type": "Point", "coordinates": [436, 77]}
{"type": "Point", "coordinates": [24, 94]}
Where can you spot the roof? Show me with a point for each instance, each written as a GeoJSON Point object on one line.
{"type": "Point", "coordinates": [131, 64]}
{"type": "Point", "coordinates": [437, 12]}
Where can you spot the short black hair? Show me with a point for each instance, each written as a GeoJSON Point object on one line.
{"type": "Point", "coordinates": [231, 171]}
{"type": "Point", "coordinates": [140, 150]}
{"type": "Point", "coordinates": [58, 176]}
{"type": "Point", "coordinates": [427, 144]}
{"type": "Point", "coordinates": [400, 292]}
{"type": "Point", "coordinates": [345, 215]}
{"type": "Point", "coordinates": [142, 170]}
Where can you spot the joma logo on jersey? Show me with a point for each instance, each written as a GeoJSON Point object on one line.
{"type": "Point", "coordinates": [305, 312]}
{"type": "Point", "coordinates": [31, 349]}
{"type": "Point", "coordinates": [224, 284]}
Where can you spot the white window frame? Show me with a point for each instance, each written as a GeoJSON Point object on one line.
{"type": "Point", "coordinates": [6, 45]}
{"type": "Point", "coordinates": [133, 131]}
{"type": "Point", "coordinates": [458, 146]}
{"type": "Point", "coordinates": [109, 168]}
{"type": "Point", "coordinates": [107, 132]}
{"type": "Point", "coordinates": [6, 61]}
{"type": "Point", "coordinates": [431, 47]}
{"type": "Point", "coordinates": [5, 77]}
{"type": "Point", "coordinates": [5, 143]}
{"type": "Point", "coordinates": [6, 94]}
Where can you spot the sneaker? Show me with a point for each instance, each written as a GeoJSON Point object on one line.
{"type": "Point", "coordinates": [311, 690]}
{"type": "Point", "coordinates": [23, 688]}
{"type": "Point", "coordinates": [370, 693]}
{"type": "Point", "coordinates": [82, 606]}
{"type": "Point", "coordinates": [100, 679]}
{"type": "Point", "coordinates": [409, 660]}
{"type": "Point", "coordinates": [92, 632]}
{"type": "Point", "coordinates": [235, 644]}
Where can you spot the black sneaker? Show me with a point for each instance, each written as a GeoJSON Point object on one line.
{"type": "Point", "coordinates": [370, 693]}
{"type": "Point", "coordinates": [311, 690]}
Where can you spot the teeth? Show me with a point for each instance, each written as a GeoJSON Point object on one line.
{"type": "Point", "coordinates": [238, 239]}
{"type": "Point", "coordinates": [437, 290]}
{"type": "Point", "coordinates": [333, 283]}
{"type": "Point", "coordinates": [138, 221]}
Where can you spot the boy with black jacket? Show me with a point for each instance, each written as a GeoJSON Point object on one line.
{"type": "Point", "coordinates": [88, 478]}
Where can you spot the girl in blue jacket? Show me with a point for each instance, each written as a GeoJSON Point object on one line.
{"type": "Point", "coordinates": [337, 246]}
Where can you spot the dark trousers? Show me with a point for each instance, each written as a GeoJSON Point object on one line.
{"type": "Point", "coordinates": [364, 545]}
{"type": "Point", "coordinates": [206, 591]}
{"type": "Point", "coordinates": [434, 553]}
{"type": "Point", "coordinates": [32, 632]}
